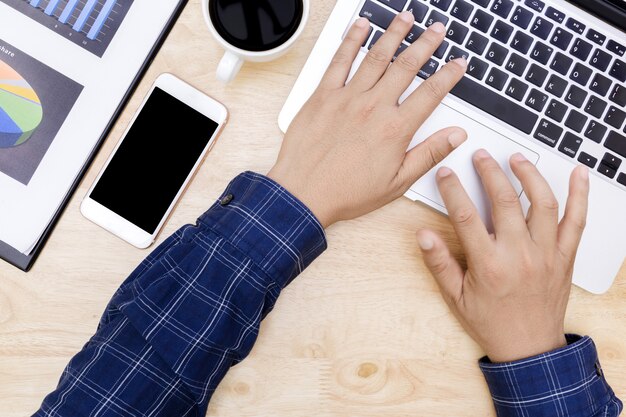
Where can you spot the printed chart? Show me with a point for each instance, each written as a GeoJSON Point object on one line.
{"type": "Point", "coordinates": [92, 24]}
{"type": "Point", "coordinates": [20, 108]}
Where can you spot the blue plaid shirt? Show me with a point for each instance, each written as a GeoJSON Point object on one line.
{"type": "Point", "coordinates": [192, 309]}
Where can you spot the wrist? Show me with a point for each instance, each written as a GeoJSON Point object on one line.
{"type": "Point", "coordinates": [523, 349]}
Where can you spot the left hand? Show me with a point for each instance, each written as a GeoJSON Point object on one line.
{"type": "Point", "coordinates": [345, 153]}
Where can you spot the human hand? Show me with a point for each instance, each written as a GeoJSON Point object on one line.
{"type": "Point", "coordinates": [513, 296]}
{"type": "Point", "coordinates": [345, 153]}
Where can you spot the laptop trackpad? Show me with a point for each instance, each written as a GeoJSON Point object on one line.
{"type": "Point", "coordinates": [479, 136]}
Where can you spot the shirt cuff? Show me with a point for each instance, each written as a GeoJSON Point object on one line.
{"type": "Point", "coordinates": [565, 382]}
{"type": "Point", "coordinates": [275, 229]}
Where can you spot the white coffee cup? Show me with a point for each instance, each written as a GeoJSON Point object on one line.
{"type": "Point", "coordinates": [234, 57]}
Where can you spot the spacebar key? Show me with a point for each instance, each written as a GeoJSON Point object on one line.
{"type": "Point", "coordinates": [495, 104]}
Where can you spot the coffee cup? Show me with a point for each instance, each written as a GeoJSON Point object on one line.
{"type": "Point", "coordinates": [253, 30]}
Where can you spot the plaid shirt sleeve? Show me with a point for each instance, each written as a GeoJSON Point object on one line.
{"type": "Point", "coordinates": [192, 309]}
{"type": "Point", "coordinates": [567, 382]}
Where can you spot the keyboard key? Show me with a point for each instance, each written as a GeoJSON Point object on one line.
{"type": "Point", "coordinates": [368, 36]}
{"type": "Point", "coordinates": [455, 53]}
{"type": "Point", "coordinates": [561, 63]}
{"type": "Point", "coordinates": [521, 17]}
{"type": "Point", "coordinates": [376, 14]}
{"type": "Point", "coordinates": [618, 71]}
{"type": "Point", "coordinates": [516, 89]}
{"type": "Point", "coordinates": [541, 53]}
{"type": "Point", "coordinates": [535, 5]}
{"type": "Point", "coordinates": [497, 79]}
{"type": "Point", "coordinates": [576, 121]}
{"type": "Point", "coordinates": [556, 110]}
{"type": "Point", "coordinates": [611, 160]}
{"type": "Point", "coordinates": [477, 68]}
{"type": "Point", "coordinates": [561, 38]}
{"type": "Point", "coordinates": [555, 14]}
{"type": "Point", "coordinates": [457, 32]}
{"type": "Point", "coordinates": [618, 95]}
{"type": "Point", "coordinates": [482, 21]}
{"type": "Point", "coordinates": [441, 51]}
{"type": "Point", "coordinates": [541, 28]}
{"type": "Point", "coordinates": [615, 117]}
{"type": "Point", "coordinates": [595, 131]}
{"type": "Point", "coordinates": [521, 42]}
{"type": "Point", "coordinates": [575, 25]}
{"type": "Point", "coordinates": [502, 31]}
{"type": "Point", "coordinates": [596, 37]}
{"type": "Point", "coordinates": [548, 133]}
{"type": "Point", "coordinates": [400, 49]}
{"type": "Point", "coordinates": [537, 75]}
{"type": "Point", "coordinates": [595, 107]}
{"type": "Point", "coordinates": [576, 96]}
{"type": "Point", "coordinates": [600, 60]}
{"type": "Point", "coordinates": [483, 3]}
{"type": "Point", "coordinates": [414, 34]}
{"type": "Point", "coordinates": [436, 16]}
{"type": "Point", "coordinates": [581, 74]}
{"type": "Point", "coordinates": [397, 5]}
{"type": "Point", "coordinates": [586, 159]}
{"type": "Point", "coordinates": [616, 48]}
{"type": "Point", "coordinates": [495, 104]}
{"type": "Point", "coordinates": [419, 10]}
{"type": "Point", "coordinates": [496, 53]}
{"type": "Point", "coordinates": [607, 170]}
{"type": "Point", "coordinates": [477, 43]}
{"type": "Point", "coordinates": [621, 178]}
{"type": "Point", "coordinates": [441, 4]}
{"type": "Point", "coordinates": [429, 69]}
{"type": "Point", "coordinates": [536, 100]}
{"type": "Point", "coordinates": [570, 145]}
{"type": "Point", "coordinates": [375, 38]}
{"type": "Point", "coordinates": [581, 49]}
{"type": "Point", "coordinates": [502, 8]}
{"type": "Point", "coordinates": [462, 10]}
{"type": "Point", "coordinates": [517, 64]}
{"type": "Point", "coordinates": [600, 85]}
{"type": "Point", "coordinates": [556, 85]}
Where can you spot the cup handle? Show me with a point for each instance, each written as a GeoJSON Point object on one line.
{"type": "Point", "coordinates": [229, 67]}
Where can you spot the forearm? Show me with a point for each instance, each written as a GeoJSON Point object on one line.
{"type": "Point", "coordinates": [568, 382]}
{"type": "Point", "coordinates": [192, 309]}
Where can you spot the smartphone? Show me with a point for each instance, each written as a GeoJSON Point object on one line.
{"type": "Point", "coordinates": [155, 160]}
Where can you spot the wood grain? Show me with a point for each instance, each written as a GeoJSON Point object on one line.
{"type": "Point", "coordinates": [362, 332]}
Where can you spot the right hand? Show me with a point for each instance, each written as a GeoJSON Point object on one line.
{"type": "Point", "coordinates": [513, 296]}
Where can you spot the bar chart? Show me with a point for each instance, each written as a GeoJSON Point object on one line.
{"type": "Point", "coordinates": [91, 24]}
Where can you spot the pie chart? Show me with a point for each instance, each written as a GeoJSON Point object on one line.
{"type": "Point", "coordinates": [20, 108]}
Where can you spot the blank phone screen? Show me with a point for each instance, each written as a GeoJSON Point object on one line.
{"type": "Point", "coordinates": [154, 160]}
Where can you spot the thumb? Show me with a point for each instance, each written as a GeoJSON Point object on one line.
{"type": "Point", "coordinates": [446, 270]}
{"type": "Point", "coordinates": [425, 156]}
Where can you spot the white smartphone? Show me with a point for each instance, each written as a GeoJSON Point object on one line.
{"type": "Point", "coordinates": [155, 160]}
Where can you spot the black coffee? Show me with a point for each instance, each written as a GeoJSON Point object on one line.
{"type": "Point", "coordinates": [256, 25]}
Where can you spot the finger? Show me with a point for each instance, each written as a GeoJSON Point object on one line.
{"type": "Point", "coordinates": [506, 209]}
{"type": "Point", "coordinates": [446, 270]}
{"type": "Point", "coordinates": [339, 68]}
{"type": "Point", "coordinates": [425, 99]}
{"type": "Point", "coordinates": [463, 214]}
{"type": "Point", "coordinates": [404, 69]}
{"type": "Point", "coordinates": [379, 57]}
{"type": "Point", "coordinates": [425, 156]}
{"type": "Point", "coordinates": [575, 218]}
{"type": "Point", "coordinates": [543, 215]}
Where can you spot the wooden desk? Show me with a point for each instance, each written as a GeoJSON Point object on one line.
{"type": "Point", "coordinates": [363, 332]}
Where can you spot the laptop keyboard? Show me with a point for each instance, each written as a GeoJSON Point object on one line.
{"type": "Point", "coordinates": [532, 67]}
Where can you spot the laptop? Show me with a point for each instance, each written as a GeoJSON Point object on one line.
{"type": "Point", "coordinates": [546, 78]}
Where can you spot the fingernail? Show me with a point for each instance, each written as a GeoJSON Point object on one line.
{"type": "Point", "coordinates": [584, 173]}
{"type": "Point", "coordinates": [361, 22]}
{"type": "Point", "coordinates": [518, 157]}
{"type": "Point", "coordinates": [425, 242]}
{"type": "Point", "coordinates": [456, 138]}
{"type": "Point", "coordinates": [462, 62]}
{"type": "Point", "coordinates": [407, 17]}
{"type": "Point", "coordinates": [482, 154]}
{"type": "Point", "coordinates": [437, 27]}
{"type": "Point", "coordinates": [444, 172]}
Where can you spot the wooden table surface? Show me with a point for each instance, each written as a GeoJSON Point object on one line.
{"type": "Point", "coordinates": [363, 332]}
